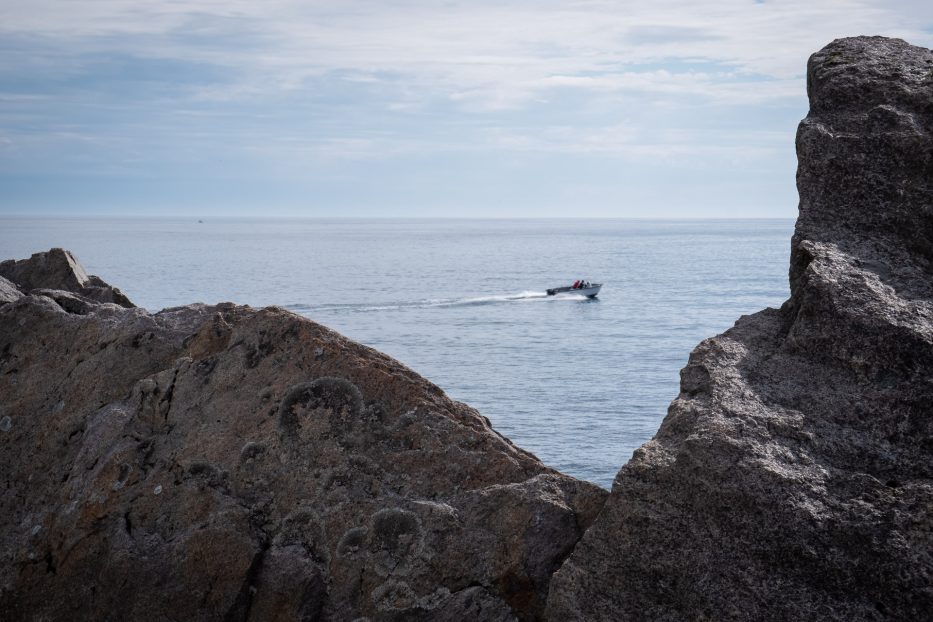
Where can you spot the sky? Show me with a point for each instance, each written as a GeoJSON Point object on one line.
{"type": "Point", "coordinates": [417, 108]}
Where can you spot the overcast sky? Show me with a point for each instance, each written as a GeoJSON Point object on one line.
{"type": "Point", "coordinates": [520, 108]}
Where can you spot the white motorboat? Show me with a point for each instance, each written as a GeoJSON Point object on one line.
{"type": "Point", "coordinates": [589, 290]}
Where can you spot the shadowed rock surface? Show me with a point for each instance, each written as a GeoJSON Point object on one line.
{"type": "Point", "coordinates": [226, 463]}
{"type": "Point", "coordinates": [792, 478]}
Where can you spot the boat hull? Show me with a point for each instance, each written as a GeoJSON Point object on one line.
{"type": "Point", "coordinates": [589, 292]}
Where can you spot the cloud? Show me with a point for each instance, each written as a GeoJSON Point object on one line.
{"type": "Point", "coordinates": [636, 145]}
{"type": "Point", "coordinates": [454, 48]}
{"type": "Point", "coordinates": [238, 85]}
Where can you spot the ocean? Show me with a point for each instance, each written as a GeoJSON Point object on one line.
{"type": "Point", "coordinates": [580, 383]}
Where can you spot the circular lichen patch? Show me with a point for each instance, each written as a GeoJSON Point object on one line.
{"type": "Point", "coordinates": [337, 395]}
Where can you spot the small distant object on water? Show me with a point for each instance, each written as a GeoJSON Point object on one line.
{"type": "Point", "coordinates": [579, 288]}
{"type": "Point", "coordinates": [201, 222]}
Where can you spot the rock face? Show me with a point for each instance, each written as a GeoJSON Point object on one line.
{"type": "Point", "coordinates": [792, 478]}
{"type": "Point", "coordinates": [58, 270]}
{"type": "Point", "coordinates": [225, 463]}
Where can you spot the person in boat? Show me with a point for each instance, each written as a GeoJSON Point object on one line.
{"type": "Point", "coordinates": [575, 284]}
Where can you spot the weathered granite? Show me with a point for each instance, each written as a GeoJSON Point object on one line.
{"type": "Point", "coordinates": [57, 269]}
{"type": "Point", "coordinates": [226, 463]}
{"type": "Point", "coordinates": [792, 478]}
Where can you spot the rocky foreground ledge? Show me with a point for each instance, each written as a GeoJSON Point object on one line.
{"type": "Point", "coordinates": [226, 463]}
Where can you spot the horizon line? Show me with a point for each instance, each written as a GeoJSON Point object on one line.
{"type": "Point", "coordinates": [206, 219]}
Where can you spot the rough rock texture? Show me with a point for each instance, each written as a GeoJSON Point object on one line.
{"type": "Point", "coordinates": [57, 269]}
{"type": "Point", "coordinates": [225, 463]}
{"type": "Point", "coordinates": [8, 291]}
{"type": "Point", "coordinates": [792, 478]}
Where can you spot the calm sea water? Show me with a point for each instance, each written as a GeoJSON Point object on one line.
{"type": "Point", "coordinates": [581, 383]}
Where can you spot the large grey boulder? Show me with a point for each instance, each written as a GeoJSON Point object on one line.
{"type": "Point", "coordinates": [227, 463]}
{"type": "Point", "coordinates": [58, 270]}
{"type": "Point", "coordinates": [792, 478]}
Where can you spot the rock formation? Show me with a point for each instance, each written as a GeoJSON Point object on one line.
{"type": "Point", "coordinates": [58, 270]}
{"type": "Point", "coordinates": [792, 478]}
{"type": "Point", "coordinates": [225, 463]}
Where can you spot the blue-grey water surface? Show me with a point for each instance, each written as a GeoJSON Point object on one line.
{"type": "Point", "coordinates": [581, 383]}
